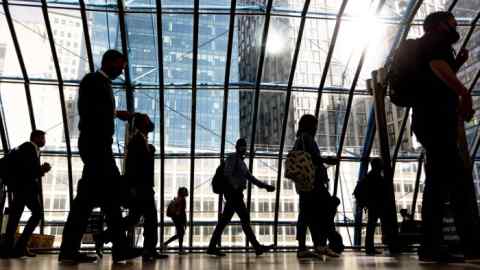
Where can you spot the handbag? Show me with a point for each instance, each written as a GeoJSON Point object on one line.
{"type": "Point", "coordinates": [300, 169]}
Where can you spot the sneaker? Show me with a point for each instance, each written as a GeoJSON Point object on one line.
{"type": "Point", "coordinates": [76, 258]}
{"type": "Point", "coordinates": [262, 249]}
{"type": "Point", "coordinates": [182, 252]}
{"type": "Point", "coordinates": [306, 254]}
{"type": "Point", "coordinates": [215, 252]}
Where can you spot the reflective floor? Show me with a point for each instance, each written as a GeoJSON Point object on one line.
{"type": "Point", "coordinates": [280, 261]}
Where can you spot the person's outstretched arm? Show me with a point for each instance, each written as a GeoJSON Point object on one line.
{"type": "Point", "coordinates": [246, 173]}
{"type": "Point", "coordinates": [445, 73]}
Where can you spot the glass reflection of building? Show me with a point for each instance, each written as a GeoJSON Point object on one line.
{"type": "Point", "coordinates": [178, 47]}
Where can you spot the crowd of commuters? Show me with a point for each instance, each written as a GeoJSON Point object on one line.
{"type": "Point", "coordinates": [441, 103]}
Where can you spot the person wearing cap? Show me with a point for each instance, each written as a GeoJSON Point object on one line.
{"type": "Point", "coordinates": [237, 175]}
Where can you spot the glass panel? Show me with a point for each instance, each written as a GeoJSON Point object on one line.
{"type": "Point", "coordinates": [330, 122]}
{"type": "Point", "coordinates": [404, 186]}
{"type": "Point", "coordinates": [271, 111]}
{"type": "Point", "coordinates": [177, 174]}
{"type": "Point", "coordinates": [209, 121]}
{"type": "Point", "coordinates": [429, 6]}
{"type": "Point", "coordinates": [69, 42]}
{"type": "Point", "coordinates": [249, 47]}
{"type": "Point", "coordinates": [212, 47]}
{"type": "Point", "coordinates": [233, 120]}
{"type": "Point", "coordinates": [359, 31]}
{"type": "Point", "coordinates": [147, 101]}
{"type": "Point", "coordinates": [15, 110]}
{"type": "Point", "coordinates": [347, 181]}
{"type": "Point", "coordinates": [476, 178]}
{"type": "Point", "coordinates": [301, 103]}
{"type": "Point", "coordinates": [177, 48]}
{"type": "Point", "coordinates": [262, 202]}
{"type": "Point", "coordinates": [142, 51]}
{"type": "Point", "coordinates": [9, 66]}
{"type": "Point", "coordinates": [178, 111]}
{"type": "Point", "coordinates": [313, 52]}
{"type": "Point", "coordinates": [465, 10]}
{"type": "Point", "coordinates": [48, 115]}
{"type": "Point", "coordinates": [357, 126]}
{"type": "Point", "coordinates": [288, 210]}
{"type": "Point", "coordinates": [55, 189]}
{"type": "Point", "coordinates": [379, 48]}
{"type": "Point", "coordinates": [282, 38]}
{"type": "Point", "coordinates": [205, 201]}
{"type": "Point", "coordinates": [71, 100]}
{"type": "Point", "coordinates": [469, 70]}
{"type": "Point", "coordinates": [104, 33]}
{"type": "Point", "coordinates": [32, 36]}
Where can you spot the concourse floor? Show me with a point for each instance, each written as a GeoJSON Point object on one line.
{"type": "Point", "coordinates": [236, 261]}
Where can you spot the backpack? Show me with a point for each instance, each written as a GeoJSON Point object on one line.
{"type": "Point", "coordinates": [218, 180]}
{"type": "Point", "coordinates": [404, 77]}
{"type": "Point", "coordinates": [172, 208]}
{"type": "Point", "coordinates": [361, 193]}
{"type": "Point", "coordinates": [7, 167]}
{"type": "Point", "coordinates": [300, 169]}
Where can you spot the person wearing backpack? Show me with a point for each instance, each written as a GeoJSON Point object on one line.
{"type": "Point", "coordinates": [314, 204]}
{"type": "Point", "coordinates": [374, 195]}
{"type": "Point", "coordinates": [24, 184]}
{"type": "Point", "coordinates": [442, 101]}
{"type": "Point", "coordinates": [176, 210]}
{"type": "Point", "coordinates": [236, 175]}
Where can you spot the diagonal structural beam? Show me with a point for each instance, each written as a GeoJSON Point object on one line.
{"type": "Point", "coordinates": [349, 105]}
{"type": "Point", "coordinates": [86, 33]}
{"type": "Point", "coordinates": [412, 10]}
{"type": "Point", "coordinates": [161, 82]}
{"type": "Point", "coordinates": [21, 62]}
{"type": "Point", "coordinates": [256, 102]}
{"type": "Point", "coordinates": [285, 117]}
{"type": "Point", "coordinates": [196, 22]}
{"type": "Point", "coordinates": [56, 63]}
{"type": "Point", "coordinates": [124, 40]}
{"type": "Point", "coordinates": [226, 85]}
{"type": "Point", "coordinates": [328, 60]}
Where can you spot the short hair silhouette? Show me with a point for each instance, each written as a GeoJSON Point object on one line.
{"type": "Point", "coordinates": [377, 163]}
{"type": "Point", "coordinates": [241, 142]}
{"type": "Point", "coordinates": [36, 133]}
{"type": "Point", "coordinates": [308, 123]}
{"type": "Point", "coordinates": [436, 18]}
{"type": "Point", "coordinates": [112, 55]}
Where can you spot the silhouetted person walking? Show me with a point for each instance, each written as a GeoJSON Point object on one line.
{"type": "Point", "coordinates": [99, 183]}
{"type": "Point", "coordinates": [176, 211]}
{"type": "Point", "coordinates": [376, 191]}
{"type": "Point", "coordinates": [315, 205]}
{"type": "Point", "coordinates": [237, 174]}
{"type": "Point", "coordinates": [139, 173]}
{"type": "Point", "coordinates": [25, 173]}
{"type": "Point", "coordinates": [441, 102]}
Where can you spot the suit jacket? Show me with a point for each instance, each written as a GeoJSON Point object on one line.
{"type": "Point", "coordinates": [96, 106]}
{"type": "Point", "coordinates": [139, 167]}
{"type": "Point", "coordinates": [26, 169]}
